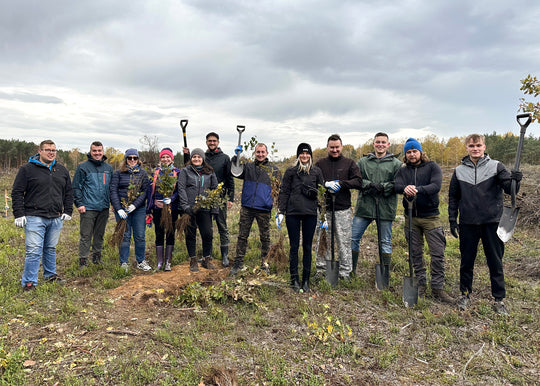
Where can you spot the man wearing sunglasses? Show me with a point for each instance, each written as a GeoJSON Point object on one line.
{"type": "Point", "coordinates": [42, 198]}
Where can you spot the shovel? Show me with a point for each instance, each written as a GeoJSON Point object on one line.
{"type": "Point", "coordinates": [332, 266]}
{"type": "Point", "coordinates": [236, 168]}
{"type": "Point", "coordinates": [380, 280]}
{"type": "Point", "coordinates": [183, 125]}
{"type": "Point", "coordinates": [410, 283]}
{"type": "Point", "coordinates": [509, 215]}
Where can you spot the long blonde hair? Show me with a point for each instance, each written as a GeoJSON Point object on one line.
{"type": "Point", "coordinates": [303, 167]}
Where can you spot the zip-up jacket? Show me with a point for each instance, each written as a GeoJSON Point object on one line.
{"type": "Point", "coordinates": [347, 173]}
{"type": "Point", "coordinates": [153, 194]}
{"type": "Point", "coordinates": [257, 188]}
{"type": "Point", "coordinates": [120, 184]}
{"type": "Point", "coordinates": [221, 163]}
{"type": "Point", "coordinates": [192, 184]}
{"type": "Point", "coordinates": [91, 184]}
{"type": "Point", "coordinates": [476, 191]}
{"type": "Point", "coordinates": [379, 171]}
{"type": "Point", "coordinates": [41, 190]}
{"type": "Point", "coordinates": [427, 177]}
{"type": "Point", "coordinates": [291, 199]}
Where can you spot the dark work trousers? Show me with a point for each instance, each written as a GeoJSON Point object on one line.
{"type": "Point", "coordinates": [93, 223]}
{"type": "Point", "coordinates": [469, 236]}
{"type": "Point", "coordinates": [160, 232]}
{"type": "Point", "coordinates": [247, 215]}
{"type": "Point", "coordinates": [431, 229]}
{"type": "Point", "coordinates": [221, 221]}
{"type": "Point", "coordinates": [306, 224]}
{"type": "Point", "coordinates": [202, 219]}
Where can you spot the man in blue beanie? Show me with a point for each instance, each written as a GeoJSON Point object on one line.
{"type": "Point", "coordinates": [420, 182]}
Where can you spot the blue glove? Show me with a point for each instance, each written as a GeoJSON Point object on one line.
{"type": "Point", "coordinates": [279, 219]}
{"type": "Point", "coordinates": [333, 185]}
{"type": "Point", "coordinates": [238, 150]}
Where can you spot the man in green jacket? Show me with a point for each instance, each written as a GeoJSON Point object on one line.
{"type": "Point", "coordinates": [378, 170]}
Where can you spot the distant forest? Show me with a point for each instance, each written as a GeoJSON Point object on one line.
{"type": "Point", "coordinates": [502, 147]}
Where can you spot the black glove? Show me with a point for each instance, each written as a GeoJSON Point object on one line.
{"type": "Point", "coordinates": [454, 229]}
{"type": "Point", "coordinates": [516, 175]}
{"type": "Point", "coordinates": [375, 189]}
{"type": "Point", "coordinates": [189, 211]}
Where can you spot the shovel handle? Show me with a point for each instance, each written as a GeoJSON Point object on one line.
{"type": "Point", "coordinates": [183, 125]}
{"type": "Point", "coordinates": [527, 122]}
{"type": "Point", "coordinates": [240, 129]}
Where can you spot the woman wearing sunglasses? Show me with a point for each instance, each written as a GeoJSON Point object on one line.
{"type": "Point", "coordinates": [128, 198]}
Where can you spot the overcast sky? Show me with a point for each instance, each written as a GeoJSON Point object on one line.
{"type": "Point", "coordinates": [290, 71]}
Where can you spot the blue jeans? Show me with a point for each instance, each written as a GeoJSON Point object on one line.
{"type": "Point", "coordinates": [41, 238]}
{"type": "Point", "coordinates": [359, 226]}
{"type": "Point", "coordinates": [136, 225]}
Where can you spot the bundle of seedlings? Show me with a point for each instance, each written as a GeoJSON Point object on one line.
{"type": "Point", "coordinates": [210, 199]}
{"type": "Point", "coordinates": [133, 192]}
{"type": "Point", "coordinates": [165, 184]}
{"type": "Point", "coordinates": [322, 248]}
{"type": "Point", "coordinates": [276, 252]}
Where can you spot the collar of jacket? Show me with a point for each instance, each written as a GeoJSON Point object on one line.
{"type": "Point", "coordinates": [103, 159]}
{"type": "Point", "coordinates": [386, 156]}
{"type": "Point", "coordinates": [35, 160]}
{"type": "Point", "coordinates": [263, 162]}
{"type": "Point", "coordinates": [335, 159]}
{"type": "Point", "coordinates": [210, 153]}
{"type": "Point", "coordinates": [467, 160]}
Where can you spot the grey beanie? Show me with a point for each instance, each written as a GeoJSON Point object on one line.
{"type": "Point", "coordinates": [199, 152]}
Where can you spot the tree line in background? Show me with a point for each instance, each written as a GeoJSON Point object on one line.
{"type": "Point", "coordinates": [14, 153]}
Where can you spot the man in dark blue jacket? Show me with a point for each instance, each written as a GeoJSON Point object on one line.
{"type": "Point", "coordinates": [419, 180]}
{"type": "Point", "coordinates": [256, 203]}
{"type": "Point", "coordinates": [476, 193]}
{"type": "Point", "coordinates": [42, 199]}
{"type": "Point", "coordinates": [91, 196]}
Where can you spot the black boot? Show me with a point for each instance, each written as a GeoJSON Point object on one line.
{"type": "Point", "coordinates": [96, 258]}
{"type": "Point", "coordinates": [168, 257]}
{"type": "Point", "coordinates": [238, 264]}
{"type": "Point", "coordinates": [387, 258]}
{"type": "Point", "coordinates": [354, 262]}
{"type": "Point", "coordinates": [295, 285]}
{"type": "Point", "coordinates": [82, 262]}
{"type": "Point", "coordinates": [305, 284]}
{"type": "Point", "coordinates": [159, 257]}
{"type": "Point", "coordinates": [193, 265]}
{"type": "Point", "coordinates": [225, 255]}
{"type": "Point", "coordinates": [207, 263]}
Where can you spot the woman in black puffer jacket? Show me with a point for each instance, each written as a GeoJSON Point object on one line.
{"type": "Point", "coordinates": [298, 201]}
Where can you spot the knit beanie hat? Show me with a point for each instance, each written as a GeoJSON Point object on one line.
{"type": "Point", "coordinates": [412, 144]}
{"type": "Point", "coordinates": [131, 152]}
{"type": "Point", "coordinates": [303, 147]}
{"type": "Point", "coordinates": [198, 151]}
{"type": "Point", "coordinates": [167, 151]}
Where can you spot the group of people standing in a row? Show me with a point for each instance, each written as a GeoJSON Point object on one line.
{"type": "Point", "coordinates": [43, 197]}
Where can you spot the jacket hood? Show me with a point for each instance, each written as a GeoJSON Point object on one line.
{"type": "Point", "coordinates": [35, 160]}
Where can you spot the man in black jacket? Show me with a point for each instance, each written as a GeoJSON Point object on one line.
{"type": "Point", "coordinates": [420, 183]}
{"type": "Point", "coordinates": [476, 193]}
{"type": "Point", "coordinates": [221, 164]}
{"type": "Point", "coordinates": [42, 198]}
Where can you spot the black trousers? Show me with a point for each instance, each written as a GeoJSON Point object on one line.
{"type": "Point", "coordinates": [202, 219]}
{"type": "Point", "coordinates": [469, 236]}
{"type": "Point", "coordinates": [160, 232]}
{"type": "Point", "coordinates": [307, 225]}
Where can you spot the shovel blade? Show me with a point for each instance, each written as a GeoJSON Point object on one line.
{"type": "Point", "coordinates": [410, 291]}
{"type": "Point", "coordinates": [237, 169]}
{"type": "Point", "coordinates": [380, 281]}
{"type": "Point", "coordinates": [332, 272]}
{"type": "Point", "coordinates": [507, 223]}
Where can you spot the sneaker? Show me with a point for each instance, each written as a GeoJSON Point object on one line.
{"type": "Point", "coordinates": [125, 267]}
{"type": "Point", "coordinates": [82, 263]}
{"type": "Point", "coordinates": [463, 302]}
{"type": "Point", "coordinates": [53, 278]}
{"type": "Point", "coordinates": [143, 265]}
{"type": "Point", "coordinates": [29, 286]}
{"type": "Point", "coordinates": [499, 307]}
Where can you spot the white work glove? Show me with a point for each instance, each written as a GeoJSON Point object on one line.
{"type": "Point", "coordinates": [65, 217]}
{"type": "Point", "coordinates": [20, 222]}
{"type": "Point", "coordinates": [334, 185]}
{"type": "Point", "coordinates": [130, 208]}
{"type": "Point", "coordinates": [167, 201]}
{"type": "Point", "coordinates": [122, 214]}
{"type": "Point", "coordinates": [279, 219]}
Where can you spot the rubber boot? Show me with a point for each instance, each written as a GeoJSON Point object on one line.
{"type": "Point", "coordinates": [207, 263]}
{"type": "Point", "coordinates": [96, 258]}
{"type": "Point", "coordinates": [354, 262]}
{"type": "Point", "coordinates": [193, 265]}
{"type": "Point", "coordinates": [238, 264]}
{"type": "Point", "coordinates": [225, 255]}
{"type": "Point", "coordinates": [295, 285]}
{"type": "Point", "coordinates": [305, 284]}
{"type": "Point", "coordinates": [159, 257]}
{"type": "Point", "coordinates": [168, 257]}
{"type": "Point", "coordinates": [387, 258]}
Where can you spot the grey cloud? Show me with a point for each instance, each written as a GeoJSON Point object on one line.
{"type": "Point", "coordinates": [30, 98]}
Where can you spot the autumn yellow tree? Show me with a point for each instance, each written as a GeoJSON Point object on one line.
{"type": "Point", "coordinates": [530, 86]}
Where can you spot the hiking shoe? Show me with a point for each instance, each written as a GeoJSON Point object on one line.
{"type": "Point", "coordinates": [439, 295]}
{"type": "Point", "coordinates": [207, 263]}
{"type": "Point", "coordinates": [53, 278]}
{"type": "Point", "coordinates": [96, 258]}
{"type": "Point", "coordinates": [463, 302]}
{"type": "Point", "coordinates": [237, 267]}
{"type": "Point", "coordinates": [125, 267]}
{"type": "Point", "coordinates": [499, 307]}
{"type": "Point", "coordinates": [421, 291]}
{"type": "Point", "coordinates": [193, 264]}
{"type": "Point", "coordinates": [167, 266]}
{"type": "Point", "coordinates": [29, 286]}
{"type": "Point", "coordinates": [82, 263]}
{"type": "Point", "coordinates": [143, 266]}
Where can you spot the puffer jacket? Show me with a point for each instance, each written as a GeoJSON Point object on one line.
{"type": "Point", "coordinates": [476, 191]}
{"type": "Point", "coordinates": [191, 184]}
{"type": "Point", "coordinates": [427, 177]}
{"type": "Point", "coordinates": [221, 163]}
{"type": "Point", "coordinates": [41, 190]}
{"type": "Point", "coordinates": [294, 186]}
{"type": "Point", "coordinates": [380, 171]}
{"type": "Point", "coordinates": [257, 188]}
{"type": "Point", "coordinates": [120, 183]}
{"type": "Point", "coordinates": [152, 193]}
{"type": "Point", "coordinates": [91, 184]}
